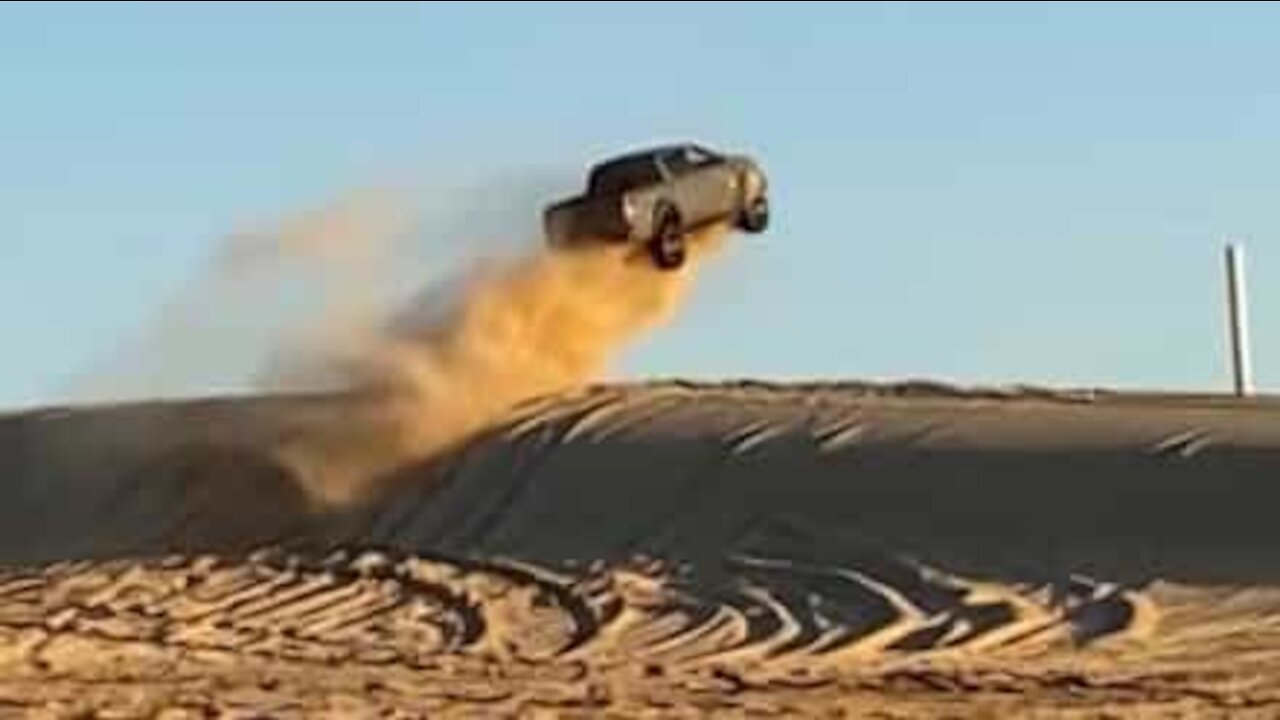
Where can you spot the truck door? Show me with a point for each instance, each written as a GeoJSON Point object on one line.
{"type": "Point", "coordinates": [702, 185]}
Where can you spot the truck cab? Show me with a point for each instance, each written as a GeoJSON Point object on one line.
{"type": "Point", "coordinates": [650, 167]}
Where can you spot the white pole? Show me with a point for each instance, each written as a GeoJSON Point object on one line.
{"type": "Point", "coordinates": [1239, 318]}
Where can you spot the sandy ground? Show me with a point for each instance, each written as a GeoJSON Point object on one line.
{"type": "Point", "coordinates": [661, 550]}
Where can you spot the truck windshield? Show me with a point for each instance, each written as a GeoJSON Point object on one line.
{"type": "Point", "coordinates": [623, 175]}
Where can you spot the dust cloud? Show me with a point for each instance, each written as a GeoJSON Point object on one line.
{"type": "Point", "coordinates": [358, 297]}
{"type": "Point", "coordinates": [268, 290]}
{"type": "Point", "coordinates": [464, 352]}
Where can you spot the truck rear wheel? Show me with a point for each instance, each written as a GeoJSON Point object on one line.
{"type": "Point", "coordinates": [667, 245]}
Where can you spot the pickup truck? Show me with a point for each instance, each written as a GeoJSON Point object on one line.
{"type": "Point", "coordinates": [655, 196]}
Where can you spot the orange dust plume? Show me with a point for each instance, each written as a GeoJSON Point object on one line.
{"type": "Point", "coordinates": [317, 305]}
{"type": "Point", "coordinates": [513, 330]}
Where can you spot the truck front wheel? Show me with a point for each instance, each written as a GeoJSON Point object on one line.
{"type": "Point", "coordinates": [755, 216]}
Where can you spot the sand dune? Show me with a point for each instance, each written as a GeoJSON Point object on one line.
{"type": "Point", "coordinates": [667, 548]}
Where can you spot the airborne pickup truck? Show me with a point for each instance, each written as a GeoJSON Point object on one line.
{"type": "Point", "coordinates": [655, 196]}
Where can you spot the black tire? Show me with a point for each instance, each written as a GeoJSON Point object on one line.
{"type": "Point", "coordinates": [667, 245]}
{"type": "Point", "coordinates": [755, 216]}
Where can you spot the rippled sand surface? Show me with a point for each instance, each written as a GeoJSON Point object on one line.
{"type": "Point", "coordinates": [664, 550]}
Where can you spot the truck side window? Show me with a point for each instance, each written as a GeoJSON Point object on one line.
{"type": "Point", "coordinates": [622, 176]}
{"type": "Point", "coordinates": [687, 159]}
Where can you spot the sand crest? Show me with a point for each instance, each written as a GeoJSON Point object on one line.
{"type": "Point", "coordinates": [650, 547]}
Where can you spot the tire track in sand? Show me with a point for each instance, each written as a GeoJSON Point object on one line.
{"type": "Point", "coordinates": [382, 607]}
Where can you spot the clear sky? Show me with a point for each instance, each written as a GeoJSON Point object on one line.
{"type": "Point", "coordinates": [984, 193]}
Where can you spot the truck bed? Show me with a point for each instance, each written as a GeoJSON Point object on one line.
{"type": "Point", "coordinates": [586, 217]}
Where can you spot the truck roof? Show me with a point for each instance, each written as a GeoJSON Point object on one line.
{"type": "Point", "coordinates": [651, 151]}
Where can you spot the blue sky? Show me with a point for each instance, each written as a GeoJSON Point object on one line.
{"type": "Point", "coordinates": [974, 192]}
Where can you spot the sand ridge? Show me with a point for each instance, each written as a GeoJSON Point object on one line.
{"type": "Point", "coordinates": [634, 546]}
